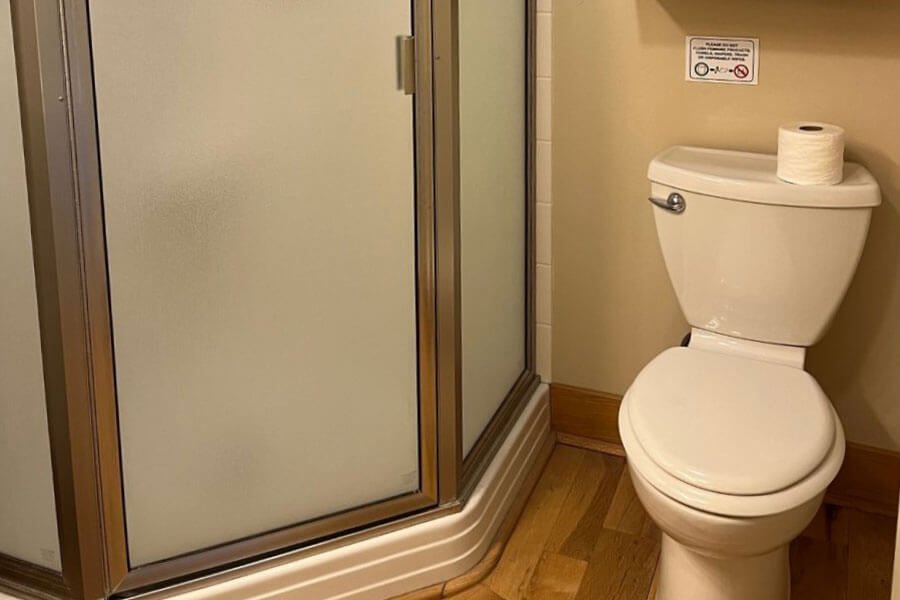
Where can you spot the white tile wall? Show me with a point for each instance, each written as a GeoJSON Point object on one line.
{"type": "Point", "coordinates": [544, 213]}
{"type": "Point", "coordinates": [542, 294]}
{"type": "Point", "coordinates": [544, 152]}
{"type": "Point", "coordinates": [542, 235]}
{"type": "Point", "coordinates": [543, 125]}
{"type": "Point", "coordinates": [544, 24]}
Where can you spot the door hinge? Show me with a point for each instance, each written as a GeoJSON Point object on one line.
{"type": "Point", "coordinates": [408, 64]}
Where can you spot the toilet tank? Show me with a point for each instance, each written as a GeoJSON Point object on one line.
{"type": "Point", "coordinates": [754, 257]}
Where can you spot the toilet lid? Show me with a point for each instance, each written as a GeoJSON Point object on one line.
{"type": "Point", "coordinates": [730, 424]}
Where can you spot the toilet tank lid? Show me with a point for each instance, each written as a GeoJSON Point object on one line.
{"type": "Point", "coordinates": [750, 176]}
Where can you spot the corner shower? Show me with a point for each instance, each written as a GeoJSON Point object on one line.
{"type": "Point", "coordinates": [266, 281]}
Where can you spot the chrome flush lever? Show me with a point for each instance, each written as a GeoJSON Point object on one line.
{"type": "Point", "coordinates": [674, 203]}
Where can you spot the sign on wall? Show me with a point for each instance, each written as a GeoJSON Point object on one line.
{"type": "Point", "coordinates": [722, 60]}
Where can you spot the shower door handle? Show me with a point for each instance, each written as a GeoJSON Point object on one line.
{"type": "Point", "coordinates": [407, 46]}
{"type": "Point", "coordinates": [673, 203]}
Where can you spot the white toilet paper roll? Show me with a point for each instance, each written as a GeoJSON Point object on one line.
{"type": "Point", "coordinates": [810, 153]}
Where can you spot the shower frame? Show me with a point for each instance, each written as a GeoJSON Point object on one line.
{"type": "Point", "coordinates": [56, 90]}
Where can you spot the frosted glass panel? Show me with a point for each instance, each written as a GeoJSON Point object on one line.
{"type": "Point", "coordinates": [492, 205]}
{"type": "Point", "coordinates": [27, 508]}
{"type": "Point", "coordinates": [258, 183]}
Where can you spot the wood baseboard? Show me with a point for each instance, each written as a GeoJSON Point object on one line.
{"type": "Point", "coordinates": [869, 479]}
{"type": "Point", "coordinates": [585, 413]}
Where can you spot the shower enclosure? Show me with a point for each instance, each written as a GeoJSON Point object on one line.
{"type": "Point", "coordinates": [268, 272]}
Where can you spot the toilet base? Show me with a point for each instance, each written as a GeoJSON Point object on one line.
{"type": "Point", "coordinates": [685, 574]}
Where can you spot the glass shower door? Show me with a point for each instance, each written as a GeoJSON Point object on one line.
{"type": "Point", "coordinates": [28, 529]}
{"type": "Point", "coordinates": [258, 177]}
{"type": "Point", "coordinates": [492, 204]}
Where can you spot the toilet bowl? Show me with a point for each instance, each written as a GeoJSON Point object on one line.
{"type": "Point", "coordinates": [712, 557]}
{"type": "Point", "coordinates": [730, 456]}
{"type": "Point", "coordinates": [730, 443]}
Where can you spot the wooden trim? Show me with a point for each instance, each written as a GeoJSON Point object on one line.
{"type": "Point", "coordinates": [869, 479]}
{"type": "Point", "coordinates": [585, 413]}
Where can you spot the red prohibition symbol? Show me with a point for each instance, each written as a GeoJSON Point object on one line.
{"type": "Point", "coordinates": [741, 71]}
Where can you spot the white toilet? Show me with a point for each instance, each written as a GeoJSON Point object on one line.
{"type": "Point", "coordinates": [730, 443]}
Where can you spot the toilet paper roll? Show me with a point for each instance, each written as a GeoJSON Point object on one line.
{"type": "Point", "coordinates": [810, 153]}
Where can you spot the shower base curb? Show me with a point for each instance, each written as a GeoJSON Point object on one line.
{"type": "Point", "coordinates": [404, 560]}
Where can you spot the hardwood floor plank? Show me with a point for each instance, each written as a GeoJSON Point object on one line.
{"type": "Point", "coordinates": [626, 513]}
{"type": "Point", "coordinates": [556, 577]}
{"type": "Point", "coordinates": [818, 570]}
{"type": "Point", "coordinates": [613, 448]}
{"type": "Point", "coordinates": [478, 592]}
{"type": "Point", "coordinates": [576, 530]}
{"type": "Point", "coordinates": [592, 471]}
{"type": "Point", "coordinates": [870, 556]}
{"type": "Point", "coordinates": [476, 574]}
{"type": "Point", "coordinates": [621, 567]}
{"type": "Point", "coordinates": [654, 585]}
{"type": "Point", "coordinates": [513, 572]}
{"type": "Point", "coordinates": [583, 536]}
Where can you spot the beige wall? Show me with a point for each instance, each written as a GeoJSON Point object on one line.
{"type": "Point", "coordinates": [620, 97]}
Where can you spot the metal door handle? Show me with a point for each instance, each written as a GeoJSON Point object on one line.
{"type": "Point", "coordinates": [674, 203]}
{"type": "Point", "coordinates": [408, 64]}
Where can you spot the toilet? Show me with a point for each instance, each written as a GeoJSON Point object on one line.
{"type": "Point", "coordinates": [730, 442]}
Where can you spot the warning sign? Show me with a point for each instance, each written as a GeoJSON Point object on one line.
{"type": "Point", "coordinates": [722, 60]}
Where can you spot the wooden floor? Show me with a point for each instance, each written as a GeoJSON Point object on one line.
{"type": "Point", "coordinates": [583, 535]}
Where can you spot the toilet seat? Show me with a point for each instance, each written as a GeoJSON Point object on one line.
{"type": "Point", "coordinates": [779, 441]}
{"type": "Point", "coordinates": [730, 424]}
